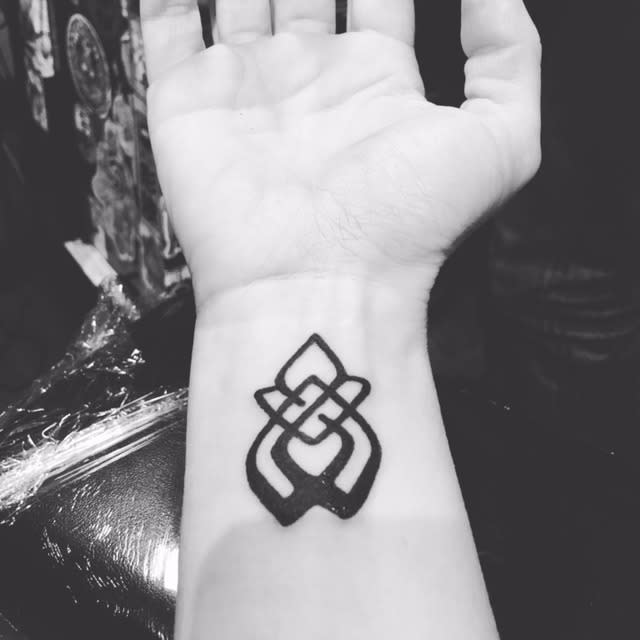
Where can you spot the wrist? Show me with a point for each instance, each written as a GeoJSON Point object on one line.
{"type": "Point", "coordinates": [386, 305]}
{"type": "Point", "coordinates": [245, 336]}
{"type": "Point", "coordinates": [245, 339]}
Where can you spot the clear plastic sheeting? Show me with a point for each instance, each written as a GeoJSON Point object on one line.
{"type": "Point", "coordinates": [91, 478]}
{"type": "Point", "coordinates": [54, 462]}
{"type": "Point", "coordinates": [106, 323]}
{"type": "Point", "coordinates": [86, 412]}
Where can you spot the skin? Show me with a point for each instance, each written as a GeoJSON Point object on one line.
{"type": "Point", "coordinates": [336, 163]}
{"type": "Point", "coordinates": [314, 189]}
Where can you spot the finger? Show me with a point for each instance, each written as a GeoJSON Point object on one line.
{"type": "Point", "coordinates": [503, 50]}
{"type": "Point", "coordinates": [172, 32]}
{"type": "Point", "coordinates": [305, 16]}
{"type": "Point", "coordinates": [503, 77]}
{"type": "Point", "coordinates": [394, 18]}
{"type": "Point", "coordinates": [239, 21]}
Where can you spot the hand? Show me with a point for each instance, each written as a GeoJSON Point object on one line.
{"type": "Point", "coordinates": [286, 150]}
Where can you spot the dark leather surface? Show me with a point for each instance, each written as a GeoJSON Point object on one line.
{"type": "Point", "coordinates": [556, 525]}
{"type": "Point", "coordinates": [97, 559]}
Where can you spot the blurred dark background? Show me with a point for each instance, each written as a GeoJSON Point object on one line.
{"type": "Point", "coordinates": [538, 311]}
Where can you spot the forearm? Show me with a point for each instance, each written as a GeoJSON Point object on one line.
{"type": "Point", "coordinates": [404, 565]}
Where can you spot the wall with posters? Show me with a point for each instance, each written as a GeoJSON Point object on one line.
{"type": "Point", "coordinates": [86, 83]}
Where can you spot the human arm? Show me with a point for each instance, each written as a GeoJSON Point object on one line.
{"type": "Point", "coordinates": [315, 192]}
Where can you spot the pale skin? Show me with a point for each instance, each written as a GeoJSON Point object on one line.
{"type": "Point", "coordinates": [314, 189]}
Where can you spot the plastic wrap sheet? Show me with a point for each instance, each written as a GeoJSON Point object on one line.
{"type": "Point", "coordinates": [57, 460]}
{"type": "Point", "coordinates": [91, 473]}
{"type": "Point", "coordinates": [86, 412]}
{"type": "Point", "coordinates": [86, 375]}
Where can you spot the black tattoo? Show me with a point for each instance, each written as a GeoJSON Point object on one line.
{"type": "Point", "coordinates": [316, 449]}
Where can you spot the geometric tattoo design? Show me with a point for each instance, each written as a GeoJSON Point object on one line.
{"type": "Point", "coordinates": [316, 449]}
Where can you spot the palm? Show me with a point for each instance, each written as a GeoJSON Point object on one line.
{"type": "Point", "coordinates": [274, 168]}
{"type": "Point", "coordinates": [305, 151]}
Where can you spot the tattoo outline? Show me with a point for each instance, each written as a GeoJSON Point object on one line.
{"type": "Point", "coordinates": [316, 449]}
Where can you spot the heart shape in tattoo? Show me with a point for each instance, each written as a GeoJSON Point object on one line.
{"type": "Point", "coordinates": [314, 459]}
